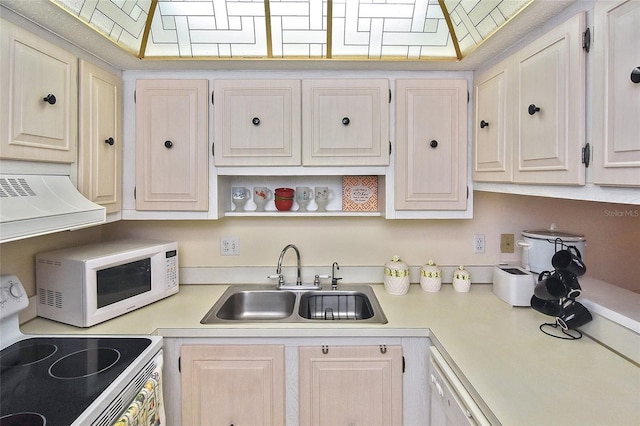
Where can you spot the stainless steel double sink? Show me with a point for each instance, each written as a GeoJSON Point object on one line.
{"type": "Point", "coordinates": [263, 304]}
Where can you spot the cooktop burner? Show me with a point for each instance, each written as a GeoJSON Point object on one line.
{"type": "Point", "coordinates": [52, 380]}
{"type": "Point", "coordinates": [23, 419]}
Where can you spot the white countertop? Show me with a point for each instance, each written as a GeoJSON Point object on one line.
{"type": "Point", "coordinates": [521, 374]}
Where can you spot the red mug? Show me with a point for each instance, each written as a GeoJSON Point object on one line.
{"type": "Point", "coordinates": [283, 198]}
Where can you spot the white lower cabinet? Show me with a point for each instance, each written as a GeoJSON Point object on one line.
{"type": "Point", "coordinates": [296, 381]}
{"type": "Point", "coordinates": [354, 385]}
{"type": "Point", "coordinates": [232, 384]}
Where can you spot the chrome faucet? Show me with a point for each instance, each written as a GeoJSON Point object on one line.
{"type": "Point", "coordinates": [334, 279]}
{"type": "Point", "coordinates": [279, 269]}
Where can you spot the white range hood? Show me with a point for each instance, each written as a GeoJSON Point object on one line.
{"type": "Point", "coordinates": [32, 205]}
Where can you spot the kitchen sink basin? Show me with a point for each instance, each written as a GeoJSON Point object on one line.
{"type": "Point", "coordinates": [253, 305]}
{"type": "Point", "coordinates": [260, 304]}
{"type": "Point", "coordinates": [335, 305]}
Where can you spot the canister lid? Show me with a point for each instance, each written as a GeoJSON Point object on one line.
{"type": "Point", "coordinates": [552, 234]}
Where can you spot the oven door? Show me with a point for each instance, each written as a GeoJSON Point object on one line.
{"type": "Point", "coordinates": [141, 402]}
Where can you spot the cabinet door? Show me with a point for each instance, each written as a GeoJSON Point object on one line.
{"type": "Point", "coordinates": [550, 79]}
{"type": "Point", "coordinates": [616, 106]}
{"type": "Point", "coordinates": [431, 138]}
{"type": "Point", "coordinates": [350, 385]}
{"type": "Point", "coordinates": [100, 143]}
{"type": "Point", "coordinates": [257, 122]}
{"type": "Point", "coordinates": [39, 98]}
{"type": "Point", "coordinates": [345, 122]}
{"type": "Point", "coordinates": [492, 143]}
{"type": "Point", "coordinates": [232, 385]}
{"type": "Point", "coordinates": [171, 145]}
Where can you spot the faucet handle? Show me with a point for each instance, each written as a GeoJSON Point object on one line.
{"type": "Point", "coordinates": [316, 280]}
{"type": "Point", "coordinates": [278, 277]}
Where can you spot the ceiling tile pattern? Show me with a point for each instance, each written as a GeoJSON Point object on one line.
{"type": "Point", "coordinates": [286, 29]}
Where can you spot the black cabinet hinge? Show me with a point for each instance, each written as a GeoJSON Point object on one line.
{"type": "Point", "coordinates": [213, 153]}
{"type": "Point", "coordinates": [179, 365]}
{"type": "Point", "coordinates": [212, 98]}
{"type": "Point", "coordinates": [404, 364]}
{"type": "Point", "coordinates": [134, 192]}
{"type": "Point", "coordinates": [134, 96]}
{"type": "Point", "coordinates": [586, 39]}
{"type": "Point", "coordinates": [586, 155]}
{"type": "Point", "coordinates": [389, 147]}
{"type": "Point", "coordinates": [389, 95]}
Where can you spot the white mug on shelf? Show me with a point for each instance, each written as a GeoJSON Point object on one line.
{"type": "Point", "coordinates": [261, 196]}
{"type": "Point", "coordinates": [304, 194]}
{"type": "Point", "coordinates": [239, 197]}
{"type": "Point", "coordinates": [323, 195]}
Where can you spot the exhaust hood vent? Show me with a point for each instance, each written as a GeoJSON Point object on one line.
{"type": "Point", "coordinates": [32, 205]}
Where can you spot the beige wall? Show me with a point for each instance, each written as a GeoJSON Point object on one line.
{"type": "Point", "coordinates": [612, 232]}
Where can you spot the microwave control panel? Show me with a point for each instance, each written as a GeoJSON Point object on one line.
{"type": "Point", "coordinates": [172, 268]}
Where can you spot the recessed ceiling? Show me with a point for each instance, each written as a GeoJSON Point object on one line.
{"type": "Point", "coordinates": [44, 17]}
{"type": "Point", "coordinates": [422, 30]}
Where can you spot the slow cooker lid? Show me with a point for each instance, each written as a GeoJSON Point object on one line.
{"type": "Point", "coordinates": [552, 234]}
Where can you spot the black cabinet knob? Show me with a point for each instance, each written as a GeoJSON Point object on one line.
{"type": "Point", "coordinates": [50, 99]}
{"type": "Point", "coordinates": [346, 121]}
{"type": "Point", "coordinates": [433, 144]}
{"type": "Point", "coordinates": [483, 124]}
{"type": "Point", "coordinates": [533, 109]}
{"type": "Point", "coordinates": [168, 144]}
{"type": "Point", "coordinates": [109, 141]}
{"type": "Point", "coordinates": [635, 75]}
{"type": "Point", "coordinates": [255, 121]}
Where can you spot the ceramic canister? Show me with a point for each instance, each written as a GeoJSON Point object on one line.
{"type": "Point", "coordinates": [430, 277]}
{"type": "Point", "coordinates": [461, 280]}
{"type": "Point", "coordinates": [396, 276]}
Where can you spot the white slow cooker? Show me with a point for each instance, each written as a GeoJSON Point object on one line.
{"type": "Point", "coordinates": [538, 247]}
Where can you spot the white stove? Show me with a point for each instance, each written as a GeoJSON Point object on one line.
{"type": "Point", "coordinates": [67, 380]}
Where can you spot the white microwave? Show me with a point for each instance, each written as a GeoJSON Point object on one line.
{"type": "Point", "coordinates": [89, 284]}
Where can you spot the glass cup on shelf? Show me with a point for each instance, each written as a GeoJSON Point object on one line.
{"type": "Point", "coordinates": [304, 194]}
{"type": "Point", "coordinates": [322, 197]}
{"type": "Point", "coordinates": [261, 196]}
{"type": "Point", "coordinates": [239, 197]}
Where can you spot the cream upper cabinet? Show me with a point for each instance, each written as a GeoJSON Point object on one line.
{"type": "Point", "coordinates": [550, 107]}
{"type": "Point", "coordinates": [100, 136]}
{"type": "Point", "coordinates": [616, 93]}
{"type": "Point", "coordinates": [350, 385]}
{"type": "Point", "coordinates": [345, 122]}
{"type": "Point", "coordinates": [233, 385]}
{"type": "Point", "coordinates": [431, 145]}
{"type": "Point", "coordinates": [39, 98]}
{"type": "Point", "coordinates": [493, 124]}
{"type": "Point", "coordinates": [172, 145]}
{"type": "Point", "coordinates": [257, 123]}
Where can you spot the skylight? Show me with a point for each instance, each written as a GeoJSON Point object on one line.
{"type": "Point", "coordinates": [296, 29]}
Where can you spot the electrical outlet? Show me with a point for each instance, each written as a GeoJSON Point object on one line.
{"type": "Point", "coordinates": [229, 246]}
{"type": "Point", "coordinates": [478, 243]}
{"type": "Point", "coordinates": [507, 243]}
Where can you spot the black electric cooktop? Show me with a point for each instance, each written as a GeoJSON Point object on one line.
{"type": "Point", "coordinates": [52, 380]}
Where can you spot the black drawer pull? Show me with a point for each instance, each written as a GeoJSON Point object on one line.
{"type": "Point", "coordinates": [168, 144]}
{"type": "Point", "coordinates": [109, 141]}
{"type": "Point", "coordinates": [533, 109]}
{"type": "Point", "coordinates": [635, 75]}
{"type": "Point", "coordinates": [50, 99]}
